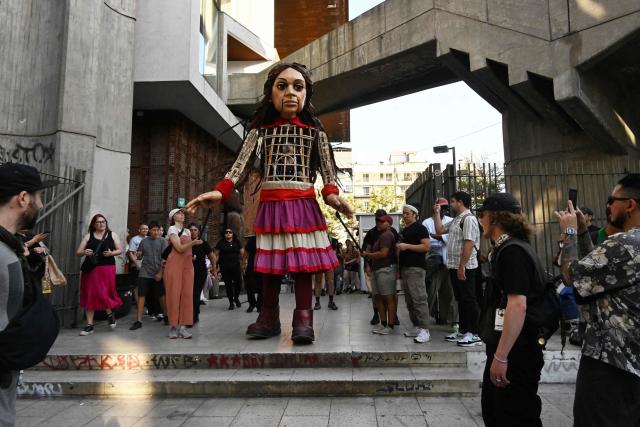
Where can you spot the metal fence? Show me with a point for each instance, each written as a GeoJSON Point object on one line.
{"type": "Point", "coordinates": [541, 186]}
{"type": "Point", "coordinates": [62, 218]}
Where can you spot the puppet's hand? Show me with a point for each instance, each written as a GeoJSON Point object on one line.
{"type": "Point", "coordinates": [204, 200]}
{"type": "Point", "coordinates": [339, 204]}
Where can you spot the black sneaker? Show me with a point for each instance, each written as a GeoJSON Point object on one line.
{"type": "Point", "coordinates": [88, 330]}
{"type": "Point", "coordinates": [332, 305]}
{"type": "Point", "coordinates": [231, 306]}
{"type": "Point", "coordinates": [317, 306]}
{"type": "Point", "coordinates": [136, 325]}
{"type": "Point", "coordinates": [237, 301]}
{"type": "Point", "coordinates": [250, 309]}
{"type": "Point", "coordinates": [160, 317]}
{"type": "Point", "coordinates": [375, 319]}
{"type": "Point", "coordinates": [112, 320]}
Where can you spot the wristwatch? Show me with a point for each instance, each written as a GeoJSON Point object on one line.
{"type": "Point", "coordinates": [570, 231]}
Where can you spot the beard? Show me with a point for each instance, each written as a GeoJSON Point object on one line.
{"type": "Point", "coordinates": [28, 218]}
{"type": "Point", "coordinates": [619, 220]}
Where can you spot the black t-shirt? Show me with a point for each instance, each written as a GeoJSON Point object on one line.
{"type": "Point", "coordinates": [107, 245]}
{"type": "Point", "coordinates": [412, 235]}
{"type": "Point", "coordinates": [229, 254]}
{"type": "Point", "coordinates": [200, 252]}
{"type": "Point", "coordinates": [515, 274]}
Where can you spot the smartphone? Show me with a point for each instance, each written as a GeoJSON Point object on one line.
{"type": "Point", "coordinates": [573, 196]}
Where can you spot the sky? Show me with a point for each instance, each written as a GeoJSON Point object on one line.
{"type": "Point", "coordinates": [452, 115]}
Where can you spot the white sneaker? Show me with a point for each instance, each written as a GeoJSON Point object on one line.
{"type": "Point", "coordinates": [173, 333]}
{"type": "Point", "coordinates": [469, 340]}
{"type": "Point", "coordinates": [454, 337]}
{"type": "Point", "coordinates": [376, 329]}
{"type": "Point", "coordinates": [423, 337]}
{"type": "Point", "coordinates": [386, 331]}
{"type": "Point", "coordinates": [413, 332]}
{"type": "Point", "coordinates": [184, 333]}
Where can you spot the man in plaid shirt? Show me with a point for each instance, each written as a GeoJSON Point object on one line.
{"type": "Point", "coordinates": [462, 262]}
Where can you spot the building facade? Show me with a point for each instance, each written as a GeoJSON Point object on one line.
{"type": "Point", "coordinates": [389, 179]}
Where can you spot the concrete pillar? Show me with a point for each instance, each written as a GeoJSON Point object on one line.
{"type": "Point", "coordinates": [66, 79]}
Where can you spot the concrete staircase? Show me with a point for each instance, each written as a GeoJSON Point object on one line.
{"type": "Point", "coordinates": [374, 373]}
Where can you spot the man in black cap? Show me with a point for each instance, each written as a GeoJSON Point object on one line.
{"type": "Point", "coordinates": [514, 358]}
{"type": "Point", "coordinates": [20, 201]}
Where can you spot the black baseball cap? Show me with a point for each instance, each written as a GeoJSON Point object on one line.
{"type": "Point", "coordinates": [16, 177]}
{"type": "Point", "coordinates": [380, 212]}
{"type": "Point", "coordinates": [501, 202]}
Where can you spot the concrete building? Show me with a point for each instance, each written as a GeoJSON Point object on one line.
{"type": "Point", "coordinates": [402, 169]}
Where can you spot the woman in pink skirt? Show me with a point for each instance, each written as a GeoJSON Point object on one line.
{"type": "Point", "coordinates": [98, 278]}
{"type": "Point", "coordinates": [288, 142]}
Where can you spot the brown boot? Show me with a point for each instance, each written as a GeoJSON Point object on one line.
{"type": "Point", "coordinates": [267, 325]}
{"type": "Point", "coordinates": [302, 327]}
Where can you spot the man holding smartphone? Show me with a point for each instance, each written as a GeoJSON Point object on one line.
{"type": "Point", "coordinates": [437, 276]}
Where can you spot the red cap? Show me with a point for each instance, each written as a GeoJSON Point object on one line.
{"type": "Point", "coordinates": [442, 201]}
{"type": "Point", "coordinates": [385, 218]}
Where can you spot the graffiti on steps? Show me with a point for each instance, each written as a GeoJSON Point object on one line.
{"type": "Point", "coordinates": [39, 389]}
{"type": "Point", "coordinates": [406, 387]}
{"type": "Point", "coordinates": [36, 154]}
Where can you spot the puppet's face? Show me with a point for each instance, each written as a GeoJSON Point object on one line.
{"type": "Point", "coordinates": [289, 93]}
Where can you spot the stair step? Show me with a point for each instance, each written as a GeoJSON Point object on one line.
{"type": "Point", "coordinates": [253, 382]}
{"type": "Point", "coordinates": [239, 360]}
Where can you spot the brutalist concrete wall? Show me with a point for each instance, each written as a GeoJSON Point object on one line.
{"type": "Point", "coordinates": [66, 81]}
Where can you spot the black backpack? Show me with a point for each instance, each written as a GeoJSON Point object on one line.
{"type": "Point", "coordinates": [543, 304]}
{"type": "Point", "coordinates": [30, 333]}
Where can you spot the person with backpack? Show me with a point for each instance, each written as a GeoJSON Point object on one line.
{"type": "Point", "coordinates": [514, 357]}
{"type": "Point", "coordinates": [462, 262]}
{"type": "Point", "coordinates": [606, 280]}
{"type": "Point", "coordinates": [28, 324]}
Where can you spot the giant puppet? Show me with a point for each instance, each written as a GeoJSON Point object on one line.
{"type": "Point", "coordinates": [287, 142]}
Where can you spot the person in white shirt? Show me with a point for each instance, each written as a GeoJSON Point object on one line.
{"type": "Point", "coordinates": [439, 291]}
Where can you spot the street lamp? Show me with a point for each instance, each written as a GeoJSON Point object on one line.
{"type": "Point", "coordinates": [441, 149]}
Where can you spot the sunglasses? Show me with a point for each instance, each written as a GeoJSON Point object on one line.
{"type": "Point", "coordinates": [611, 200]}
{"type": "Point", "coordinates": [228, 232]}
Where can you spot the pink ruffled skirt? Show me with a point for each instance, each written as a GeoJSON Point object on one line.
{"type": "Point", "coordinates": [291, 237]}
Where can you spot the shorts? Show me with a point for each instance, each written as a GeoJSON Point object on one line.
{"type": "Point", "coordinates": [383, 281]}
{"type": "Point", "coordinates": [146, 285]}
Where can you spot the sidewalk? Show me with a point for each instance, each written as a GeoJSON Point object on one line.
{"type": "Point", "coordinates": [557, 401]}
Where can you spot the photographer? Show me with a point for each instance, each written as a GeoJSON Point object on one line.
{"type": "Point", "coordinates": [606, 282]}
{"type": "Point", "coordinates": [514, 358]}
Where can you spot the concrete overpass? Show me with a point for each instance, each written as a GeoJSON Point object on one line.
{"type": "Point", "coordinates": [564, 74]}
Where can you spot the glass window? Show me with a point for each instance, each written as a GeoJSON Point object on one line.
{"type": "Point", "coordinates": [366, 204]}
{"type": "Point", "coordinates": [365, 177]}
{"type": "Point", "coordinates": [381, 176]}
{"type": "Point", "coordinates": [389, 177]}
{"type": "Point", "coordinates": [407, 176]}
{"type": "Point", "coordinates": [366, 190]}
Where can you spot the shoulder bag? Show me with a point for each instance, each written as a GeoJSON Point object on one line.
{"type": "Point", "coordinates": [90, 262]}
{"type": "Point", "coordinates": [167, 250]}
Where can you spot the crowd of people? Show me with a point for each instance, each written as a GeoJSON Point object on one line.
{"type": "Point", "coordinates": [474, 270]}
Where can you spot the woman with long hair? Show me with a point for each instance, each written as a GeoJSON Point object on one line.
{"type": "Point", "coordinates": [229, 252]}
{"type": "Point", "coordinates": [288, 141]}
{"type": "Point", "coordinates": [99, 246]}
{"type": "Point", "coordinates": [351, 268]}
{"type": "Point", "coordinates": [178, 276]}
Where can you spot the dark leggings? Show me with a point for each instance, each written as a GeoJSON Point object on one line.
{"type": "Point", "coordinates": [232, 278]}
{"type": "Point", "coordinates": [199, 278]}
